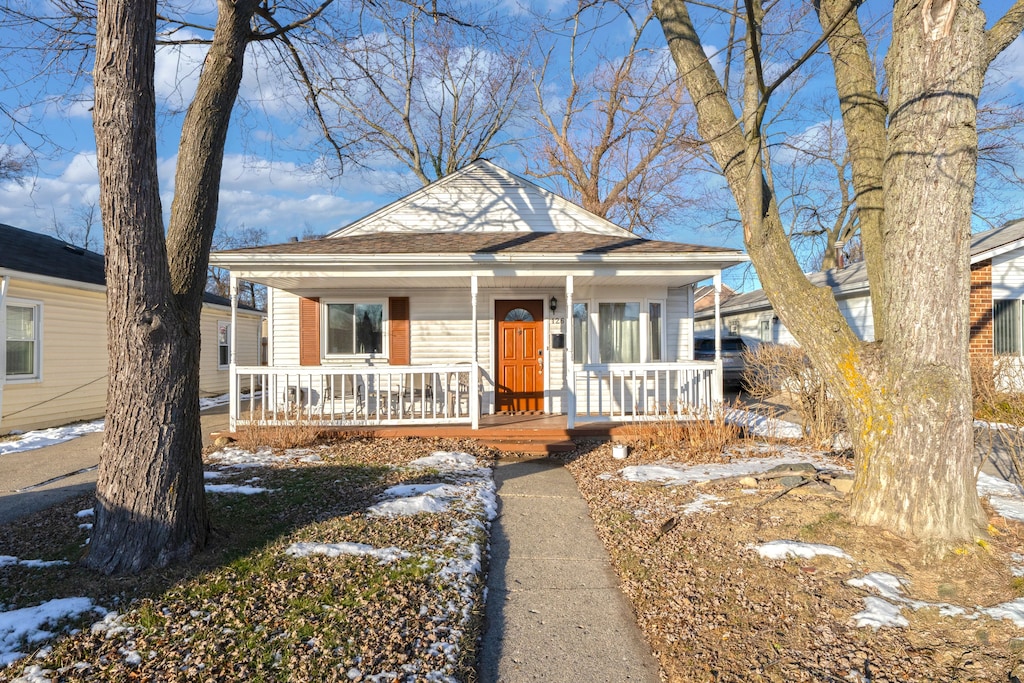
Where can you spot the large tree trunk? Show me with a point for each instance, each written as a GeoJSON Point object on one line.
{"type": "Point", "coordinates": [151, 509]}
{"type": "Point", "coordinates": [906, 399]}
{"type": "Point", "coordinates": [150, 506]}
{"type": "Point", "coordinates": [919, 479]}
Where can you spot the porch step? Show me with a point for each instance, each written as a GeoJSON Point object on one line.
{"type": "Point", "coordinates": [529, 446]}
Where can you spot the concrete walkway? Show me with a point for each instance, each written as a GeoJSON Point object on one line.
{"type": "Point", "coordinates": [37, 479]}
{"type": "Point", "coordinates": [554, 608]}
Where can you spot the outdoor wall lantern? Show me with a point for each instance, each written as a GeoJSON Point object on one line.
{"type": "Point", "coordinates": [553, 305]}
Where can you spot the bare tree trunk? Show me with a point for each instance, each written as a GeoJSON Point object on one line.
{"type": "Point", "coordinates": [906, 400]}
{"type": "Point", "coordinates": [150, 506]}
{"type": "Point", "coordinates": [151, 509]}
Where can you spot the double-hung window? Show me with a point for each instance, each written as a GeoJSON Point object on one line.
{"type": "Point", "coordinates": [618, 332]}
{"type": "Point", "coordinates": [23, 340]}
{"type": "Point", "coordinates": [1006, 326]}
{"type": "Point", "coordinates": [223, 344]}
{"type": "Point", "coordinates": [354, 328]}
{"type": "Point", "coordinates": [580, 333]}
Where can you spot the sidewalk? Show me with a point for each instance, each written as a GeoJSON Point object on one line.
{"type": "Point", "coordinates": [554, 608]}
{"type": "Point", "coordinates": [34, 480]}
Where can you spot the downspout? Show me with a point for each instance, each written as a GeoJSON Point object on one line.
{"type": "Point", "coordinates": [234, 396]}
{"type": "Point", "coordinates": [570, 361]}
{"type": "Point", "coordinates": [474, 380]}
{"type": "Point", "coordinates": [4, 282]}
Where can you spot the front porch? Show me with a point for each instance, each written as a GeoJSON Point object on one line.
{"type": "Point", "coordinates": [381, 397]}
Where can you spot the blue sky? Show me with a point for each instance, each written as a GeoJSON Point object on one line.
{"type": "Point", "coordinates": [272, 179]}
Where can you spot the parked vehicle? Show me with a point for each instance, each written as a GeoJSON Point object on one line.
{"type": "Point", "coordinates": [733, 365]}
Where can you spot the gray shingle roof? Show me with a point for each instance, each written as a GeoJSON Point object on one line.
{"type": "Point", "coordinates": [480, 243]}
{"type": "Point", "coordinates": [25, 251]}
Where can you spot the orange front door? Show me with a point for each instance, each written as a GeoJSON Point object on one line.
{"type": "Point", "coordinates": [520, 355]}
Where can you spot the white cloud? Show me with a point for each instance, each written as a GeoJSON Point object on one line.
{"type": "Point", "coordinates": [1010, 64]}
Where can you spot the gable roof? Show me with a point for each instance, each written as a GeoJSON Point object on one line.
{"type": "Point", "coordinates": [37, 254]}
{"type": "Point", "coordinates": [853, 279]}
{"type": "Point", "coordinates": [481, 197]}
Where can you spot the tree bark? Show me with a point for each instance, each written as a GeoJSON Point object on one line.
{"type": "Point", "coordinates": [151, 507]}
{"type": "Point", "coordinates": [906, 400]}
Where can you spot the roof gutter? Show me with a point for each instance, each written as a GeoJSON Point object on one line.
{"type": "Point", "coordinates": [228, 260]}
{"type": "Point", "coordinates": [50, 280]}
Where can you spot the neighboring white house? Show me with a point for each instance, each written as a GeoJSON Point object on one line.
{"type": "Point", "coordinates": [480, 293]}
{"type": "Point", "coordinates": [997, 292]}
{"type": "Point", "coordinates": [53, 333]}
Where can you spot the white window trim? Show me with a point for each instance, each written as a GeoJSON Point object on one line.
{"type": "Point", "coordinates": [228, 344]}
{"type": "Point", "coordinates": [594, 313]}
{"type": "Point", "coordinates": [646, 310]}
{"type": "Point", "coordinates": [37, 376]}
{"type": "Point", "coordinates": [385, 351]}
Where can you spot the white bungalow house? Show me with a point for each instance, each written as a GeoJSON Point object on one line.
{"type": "Point", "coordinates": [996, 307]}
{"type": "Point", "coordinates": [481, 293]}
{"type": "Point", "coordinates": [53, 333]}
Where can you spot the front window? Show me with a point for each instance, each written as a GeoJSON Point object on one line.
{"type": "Point", "coordinates": [654, 328]}
{"type": "Point", "coordinates": [580, 333]}
{"type": "Point", "coordinates": [619, 332]}
{"type": "Point", "coordinates": [1006, 326]}
{"type": "Point", "coordinates": [355, 329]}
{"type": "Point", "coordinates": [223, 344]}
{"type": "Point", "coordinates": [23, 341]}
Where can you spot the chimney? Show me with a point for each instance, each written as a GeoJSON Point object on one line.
{"type": "Point", "coordinates": [840, 256]}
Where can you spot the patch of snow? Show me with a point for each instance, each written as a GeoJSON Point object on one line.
{"type": "Point", "coordinates": [679, 475]}
{"type": "Point", "coordinates": [235, 488]}
{"type": "Point", "coordinates": [28, 625]}
{"type": "Point", "coordinates": [110, 625]}
{"type": "Point", "coordinates": [886, 585]}
{"type": "Point", "coordinates": [238, 458]}
{"type": "Point", "coordinates": [760, 425]}
{"type": "Point", "coordinates": [385, 555]}
{"type": "Point", "coordinates": [702, 503]}
{"type": "Point", "coordinates": [47, 437]}
{"type": "Point", "coordinates": [447, 460]}
{"type": "Point", "coordinates": [1005, 498]}
{"type": "Point", "coordinates": [88, 512]}
{"type": "Point", "coordinates": [1013, 611]}
{"type": "Point", "coordinates": [6, 560]}
{"type": "Point", "coordinates": [878, 613]}
{"type": "Point", "coordinates": [779, 550]}
{"type": "Point", "coordinates": [434, 489]}
{"type": "Point", "coordinates": [212, 474]}
{"type": "Point", "coordinates": [34, 674]}
{"type": "Point", "coordinates": [411, 505]}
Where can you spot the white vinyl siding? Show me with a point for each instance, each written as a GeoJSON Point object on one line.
{"type": "Point", "coordinates": [679, 324]}
{"type": "Point", "coordinates": [285, 323]}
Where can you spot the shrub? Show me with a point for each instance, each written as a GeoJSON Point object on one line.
{"type": "Point", "coordinates": [780, 370]}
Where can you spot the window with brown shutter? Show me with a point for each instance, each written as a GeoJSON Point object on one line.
{"type": "Point", "coordinates": [399, 332]}
{"type": "Point", "coordinates": [309, 331]}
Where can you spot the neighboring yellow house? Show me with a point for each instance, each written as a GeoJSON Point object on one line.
{"type": "Point", "coordinates": [53, 363]}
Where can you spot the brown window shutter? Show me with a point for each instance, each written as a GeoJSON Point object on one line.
{"type": "Point", "coordinates": [399, 334]}
{"type": "Point", "coordinates": [309, 331]}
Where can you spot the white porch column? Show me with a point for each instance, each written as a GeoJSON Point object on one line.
{"type": "Point", "coordinates": [570, 360]}
{"type": "Point", "coordinates": [474, 380]}
{"type": "Point", "coordinates": [717, 389]}
{"type": "Point", "coordinates": [234, 396]}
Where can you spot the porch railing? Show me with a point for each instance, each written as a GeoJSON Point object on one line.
{"type": "Point", "coordinates": [627, 391]}
{"type": "Point", "coordinates": [355, 396]}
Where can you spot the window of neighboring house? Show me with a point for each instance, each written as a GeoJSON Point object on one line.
{"type": "Point", "coordinates": [580, 333]}
{"type": "Point", "coordinates": [24, 331]}
{"type": "Point", "coordinates": [354, 329]}
{"type": "Point", "coordinates": [655, 329]}
{"type": "Point", "coordinates": [1006, 320]}
{"type": "Point", "coordinates": [618, 331]}
{"type": "Point", "coordinates": [223, 344]}
{"type": "Point", "coordinates": [766, 330]}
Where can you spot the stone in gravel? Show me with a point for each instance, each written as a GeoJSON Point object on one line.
{"type": "Point", "coordinates": [794, 467]}
{"type": "Point", "coordinates": [842, 484]}
{"type": "Point", "coordinates": [748, 482]}
{"type": "Point", "coordinates": [223, 441]}
{"type": "Point", "coordinates": [786, 482]}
